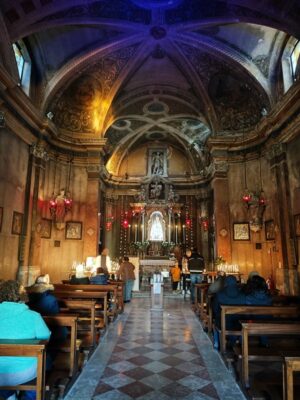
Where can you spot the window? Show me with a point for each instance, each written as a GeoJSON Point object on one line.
{"type": "Point", "coordinates": [24, 64]}
{"type": "Point", "coordinates": [295, 58]}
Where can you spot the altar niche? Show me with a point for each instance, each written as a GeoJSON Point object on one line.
{"type": "Point", "coordinates": [156, 227]}
{"type": "Point", "coordinates": [157, 162]}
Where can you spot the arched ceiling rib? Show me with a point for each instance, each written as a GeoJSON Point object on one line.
{"type": "Point", "coordinates": [98, 62]}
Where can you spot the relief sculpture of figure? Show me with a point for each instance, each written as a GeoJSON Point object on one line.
{"type": "Point", "coordinates": [155, 190]}
{"type": "Point", "coordinates": [157, 164]}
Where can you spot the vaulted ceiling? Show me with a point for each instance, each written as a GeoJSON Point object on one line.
{"type": "Point", "coordinates": [134, 71]}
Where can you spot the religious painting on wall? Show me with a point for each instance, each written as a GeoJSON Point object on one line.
{"type": "Point", "coordinates": [46, 226]}
{"type": "Point", "coordinates": [241, 231]}
{"type": "Point", "coordinates": [73, 230]}
{"type": "Point", "coordinates": [157, 162]}
{"type": "Point", "coordinates": [270, 230]}
{"type": "Point", "coordinates": [1, 217]}
{"type": "Point", "coordinates": [297, 224]}
{"type": "Point", "coordinates": [17, 223]}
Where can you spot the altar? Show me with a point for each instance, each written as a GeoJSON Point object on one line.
{"type": "Point", "coordinates": [147, 268]}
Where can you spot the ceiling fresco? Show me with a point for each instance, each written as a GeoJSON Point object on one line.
{"type": "Point", "coordinates": [136, 71]}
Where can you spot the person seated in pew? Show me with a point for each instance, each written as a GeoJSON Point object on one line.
{"type": "Point", "coordinates": [231, 294]}
{"type": "Point", "coordinates": [218, 284]}
{"type": "Point", "coordinates": [79, 278]}
{"type": "Point", "coordinates": [18, 322]}
{"type": "Point", "coordinates": [100, 278]}
{"type": "Point", "coordinates": [257, 294]}
{"type": "Point", "coordinates": [43, 301]}
{"type": "Point", "coordinates": [41, 297]}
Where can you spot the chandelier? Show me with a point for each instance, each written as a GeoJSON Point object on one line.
{"type": "Point", "coordinates": [60, 204]}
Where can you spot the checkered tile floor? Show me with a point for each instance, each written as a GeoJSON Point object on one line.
{"type": "Point", "coordinates": [155, 355]}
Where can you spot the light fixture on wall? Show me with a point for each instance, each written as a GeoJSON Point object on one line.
{"type": "Point", "coordinates": [60, 204]}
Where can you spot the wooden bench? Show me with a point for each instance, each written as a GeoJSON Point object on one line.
{"type": "Point", "coordinates": [120, 294]}
{"type": "Point", "coordinates": [70, 345]}
{"type": "Point", "coordinates": [86, 310]}
{"type": "Point", "coordinates": [99, 297]}
{"type": "Point", "coordinates": [28, 348]}
{"type": "Point", "coordinates": [200, 300]}
{"type": "Point", "coordinates": [291, 365]}
{"type": "Point", "coordinates": [273, 353]}
{"type": "Point", "coordinates": [110, 290]}
{"type": "Point", "coordinates": [246, 311]}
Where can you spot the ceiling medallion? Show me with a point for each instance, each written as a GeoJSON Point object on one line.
{"type": "Point", "coordinates": [158, 32]}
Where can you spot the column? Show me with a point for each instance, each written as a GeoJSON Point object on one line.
{"type": "Point", "coordinates": [29, 244]}
{"type": "Point", "coordinates": [221, 210]}
{"type": "Point", "coordinates": [92, 207]}
{"type": "Point", "coordinates": [286, 270]}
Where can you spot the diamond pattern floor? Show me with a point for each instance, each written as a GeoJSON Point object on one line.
{"type": "Point", "coordinates": [157, 355]}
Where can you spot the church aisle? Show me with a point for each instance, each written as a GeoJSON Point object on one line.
{"type": "Point", "coordinates": [155, 355]}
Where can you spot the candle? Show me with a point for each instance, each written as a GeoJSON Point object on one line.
{"type": "Point", "coordinates": [135, 232]}
{"type": "Point", "coordinates": [176, 232]}
{"type": "Point", "coordinates": [183, 233]}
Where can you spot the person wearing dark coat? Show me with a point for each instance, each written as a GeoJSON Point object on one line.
{"type": "Point", "coordinates": [41, 297]}
{"type": "Point", "coordinates": [42, 300]}
{"type": "Point", "coordinates": [196, 266]}
{"type": "Point", "coordinates": [231, 294]}
{"type": "Point", "coordinates": [100, 278]}
{"type": "Point", "coordinates": [257, 294]}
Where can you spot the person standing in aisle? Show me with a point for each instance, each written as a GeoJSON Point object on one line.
{"type": "Point", "coordinates": [196, 266]}
{"type": "Point", "coordinates": [126, 274]}
{"type": "Point", "coordinates": [176, 276]}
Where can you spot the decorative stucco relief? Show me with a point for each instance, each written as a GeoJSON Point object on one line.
{"type": "Point", "coordinates": [80, 107]}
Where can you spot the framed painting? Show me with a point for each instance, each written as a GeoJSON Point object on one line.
{"type": "Point", "coordinates": [1, 217]}
{"type": "Point", "coordinates": [297, 224]}
{"type": "Point", "coordinates": [270, 230]}
{"type": "Point", "coordinates": [46, 227]}
{"type": "Point", "coordinates": [241, 231]}
{"type": "Point", "coordinates": [73, 230]}
{"type": "Point", "coordinates": [17, 222]}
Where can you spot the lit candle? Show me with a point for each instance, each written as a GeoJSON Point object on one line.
{"type": "Point", "coordinates": [176, 232]}
{"type": "Point", "coordinates": [142, 228]}
{"type": "Point", "coordinates": [183, 233]}
{"type": "Point", "coordinates": [135, 232]}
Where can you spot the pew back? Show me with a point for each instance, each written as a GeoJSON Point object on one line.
{"type": "Point", "coordinates": [273, 311]}
{"type": "Point", "coordinates": [28, 348]}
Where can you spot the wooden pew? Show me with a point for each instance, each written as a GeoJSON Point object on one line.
{"type": "Point", "coordinates": [71, 345]}
{"type": "Point", "coordinates": [78, 294]}
{"type": "Point", "coordinates": [120, 294]}
{"type": "Point", "coordinates": [110, 290]}
{"type": "Point", "coordinates": [86, 310]}
{"type": "Point", "coordinates": [28, 348]}
{"type": "Point", "coordinates": [291, 365]}
{"type": "Point", "coordinates": [200, 300]}
{"type": "Point", "coordinates": [274, 311]}
{"type": "Point", "coordinates": [276, 352]}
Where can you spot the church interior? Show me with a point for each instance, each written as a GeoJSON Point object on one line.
{"type": "Point", "coordinates": [151, 128]}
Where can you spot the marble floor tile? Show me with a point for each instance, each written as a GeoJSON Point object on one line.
{"type": "Point", "coordinates": [149, 355]}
